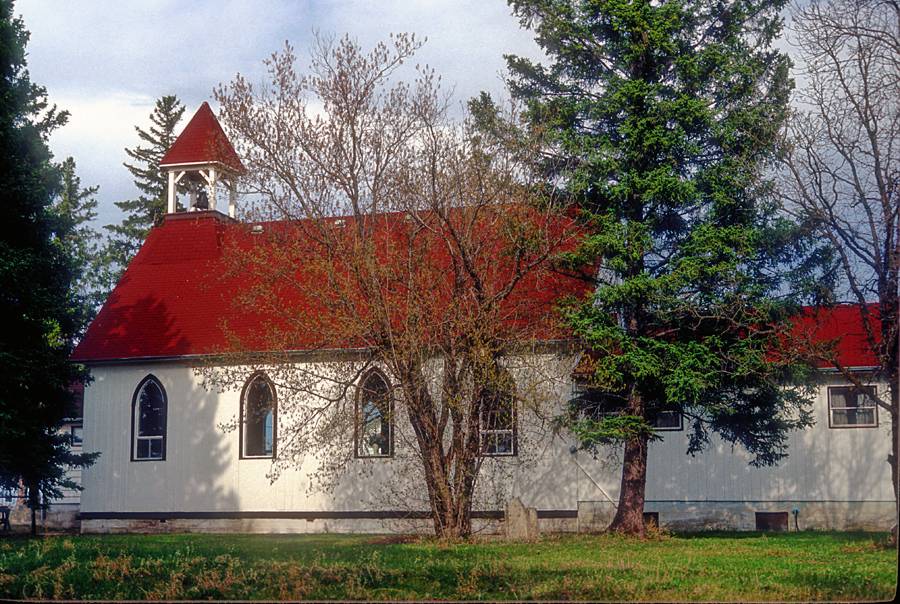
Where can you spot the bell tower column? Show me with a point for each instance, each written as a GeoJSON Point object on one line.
{"type": "Point", "coordinates": [172, 201]}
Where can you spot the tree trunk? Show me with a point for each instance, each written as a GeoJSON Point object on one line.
{"type": "Point", "coordinates": [629, 517]}
{"type": "Point", "coordinates": [450, 521]}
{"type": "Point", "coordinates": [889, 334]}
{"type": "Point", "coordinates": [449, 493]}
{"type": "Point", "coordinates": [895, 410]}
{"type": "Point", "coordinates": [451, 500]}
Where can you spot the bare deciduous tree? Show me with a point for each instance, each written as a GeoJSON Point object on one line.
{"type": "Point", "coordinates": [842, 167]}
{"type": "Point", "coordinates": [407, 241]}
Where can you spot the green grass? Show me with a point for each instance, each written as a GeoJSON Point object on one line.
{"type": "Point", "coordinates": [709, 566]}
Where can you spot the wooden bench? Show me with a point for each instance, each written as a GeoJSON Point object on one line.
{"type": "Point", "coordinates": [4, 518]}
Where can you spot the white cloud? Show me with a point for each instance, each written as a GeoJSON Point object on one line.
{"type": "Point", "coordinates": [108, 61]}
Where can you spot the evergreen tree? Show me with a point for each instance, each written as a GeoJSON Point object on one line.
{"type": "Point", "coordinates": [661, 118]}
{"type": "Point", "coordinates": [41, 313]}
{"type": "Point", "coordinates": [148, 209]}
{"type": "Point", "coordinates": [75, 208]}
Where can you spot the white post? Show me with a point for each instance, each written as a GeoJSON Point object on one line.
{"type": "Point", "coordinates": [171, 198]}
{"type": "Point", "coordinates": [212, 188]}
{"type": "Point", "coordinates": [232, 198]}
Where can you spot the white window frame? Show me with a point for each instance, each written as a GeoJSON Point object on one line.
{"type": "Point", "coordinates": [72, 429]}
{"type": "Point", "coordinates": [511, 432]}
{"type": "Point", "coordinates": [851, 388]}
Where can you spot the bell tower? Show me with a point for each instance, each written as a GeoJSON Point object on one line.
{"type": "Point", "coordinates": [201, 159]}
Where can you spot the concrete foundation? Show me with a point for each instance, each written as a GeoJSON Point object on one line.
{"type": "Point", "coordinates": [61, 517]}
{"type": "Point", "coordinates": [594, 516]}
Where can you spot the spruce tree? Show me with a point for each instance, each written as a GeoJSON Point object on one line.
{"type": "Point", "coordinates": [661, 118]}
{"type": "Point", "coordinates": [146, 210]}
{"type": "Point", "coordinates": [40, 309]}
{"type": "Point", "coordinates": [75, 210]}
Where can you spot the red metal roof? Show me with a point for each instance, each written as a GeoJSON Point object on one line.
{"type": "Point", "coordinates": [839, 330]}
{"type": "Point", "coordinates": [173, 300]}
{"type": "Point", "coordinates": [203, 141]}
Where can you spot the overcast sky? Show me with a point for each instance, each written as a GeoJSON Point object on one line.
{"type": "Point", "coordinates": [108, 61]}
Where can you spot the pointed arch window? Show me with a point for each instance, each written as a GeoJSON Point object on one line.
{"type": "Point", "coordinates": [497, 424]}
{"type": "Point", "coordinates": [374, 433]}
{"type": "Point", "coordinates": [148, 421]}
{"type": "Point", "coordinates": [259, 418]}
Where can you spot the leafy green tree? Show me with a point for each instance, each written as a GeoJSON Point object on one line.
{"type": "Point", "coordinates": [146, 210]}
{"type": "Point", "coordinates": [42, 314]}
{"type": "Point", "coordinates": [661, 118]}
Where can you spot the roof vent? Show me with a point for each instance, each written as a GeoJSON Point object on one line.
{"type": "Point", "coordinates": [256, 229]}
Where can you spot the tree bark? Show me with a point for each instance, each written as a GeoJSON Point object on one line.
{"type": "Point", "coordinates": [895, 406]}
{"type": "Point", "coordinates": [629, 517]}
{"type": "Point", "coordinates": [450, 500]}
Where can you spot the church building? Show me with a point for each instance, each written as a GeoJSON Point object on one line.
{"type": "Point", "coordinates": [178, 455]}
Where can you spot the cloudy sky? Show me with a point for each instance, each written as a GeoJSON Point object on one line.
{"type": "Point", "coordinates": [107, 61]}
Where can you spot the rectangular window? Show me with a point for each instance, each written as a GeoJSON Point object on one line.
{"type": "Point", "coordinates": [76, 437]}
{"type": "Point", "coordinates": [598, 404]}
{"type": "Point", "coordinates": [668, 421]}
{"type": "Point", "coordinates": [149, 447]}
{"type": "Point", "coordinates": [852, 407]}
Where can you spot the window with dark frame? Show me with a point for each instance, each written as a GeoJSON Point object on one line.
{"type": "Point", "coordinates": [668, 421]}
{"type": "Point", "coordinates": [497, 425]}
{"type": "Point", "coordinates": [852, 407]}
{"type": "Point", "coordinates": [149, 421]}
{"type": "Point", "coordinates": [259, 417]}
{"type": "Point", "coordinates": [374, 429]}
{"type": "Point", "coordinates": [599, 404]}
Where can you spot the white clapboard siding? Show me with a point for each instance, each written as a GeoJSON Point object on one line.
{"type": "Point", "coordinates": [202, 471]}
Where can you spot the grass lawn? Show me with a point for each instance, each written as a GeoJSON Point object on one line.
{"type": "Point", "coordinates": [708, 566]}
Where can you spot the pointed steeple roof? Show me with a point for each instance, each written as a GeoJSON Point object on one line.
{"type": "Point", "coordinates": [203, 141]}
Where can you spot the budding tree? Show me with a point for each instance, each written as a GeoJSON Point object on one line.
{"type": "Point", "coordinates": [398, 239]}
{"type": "Point", "coordinates": [842, 170]}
